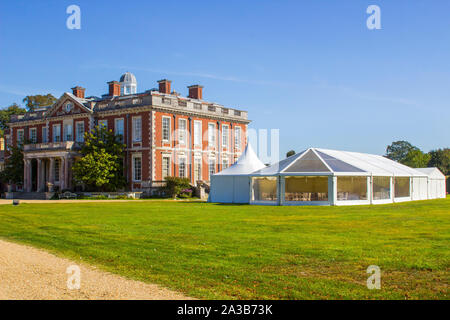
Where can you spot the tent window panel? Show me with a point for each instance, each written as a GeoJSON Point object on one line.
{"type": "Point", "coordinates": [381, 188]}
{"type": "Point", "coordinates": [308, 163]}
{"type": "Point", "coordinates": [402, 187]}
{"type": "Point", "coordinates": [265, 189]}
{"type": "Point", "coordinates": [337, 165]}
{"type": "Point", "coordinates": [306, 189]}
{"type": "Point", "coordinates": [351, 188]}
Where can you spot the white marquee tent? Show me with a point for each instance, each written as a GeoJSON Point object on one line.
{"type": "Point", "coordinates": [232, 185]}
{"type": "Point", "coordinates": [330, 177]}
{"type": "Point", "coordinates": [325, 177]}
{"type": "Point", "coordinates": [436, 182]}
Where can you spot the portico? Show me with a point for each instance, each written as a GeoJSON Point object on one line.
{"type": "Point", "coordinates": [46, 166]}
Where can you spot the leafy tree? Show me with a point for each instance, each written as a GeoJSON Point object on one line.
{"type": "Point", "coordinates": [101, 164]}
{"type": "Point", "coordinates": [33, 102]}
{"type": "Point", "coordinates": [5, 116]}
{"type": "Point", "coordinates": [416, 159]}
{"type": "Point", "coordinates": [175, 186]}
{"type": "Point", "coordinates": [290, 153]}
{"type": "Point", "coordinates": [441, 159]}
{"type": "Point", "coordinates": [13, 172]}
{"type": "Point", "coordinates": [398, 150]}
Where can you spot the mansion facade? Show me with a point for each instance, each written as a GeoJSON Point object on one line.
{"type": "Point", "coordinates": [165, 134]}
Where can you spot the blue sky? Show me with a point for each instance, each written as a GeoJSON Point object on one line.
{"type": "Point", "coordinates": [309, 68]}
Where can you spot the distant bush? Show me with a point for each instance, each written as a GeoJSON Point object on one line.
{"type": "Point", "coordinates": [123, 197]}
{"type": "Point", "coordinates": [99, 197]}
{"type": "Point", "coordinates": [186, 193]}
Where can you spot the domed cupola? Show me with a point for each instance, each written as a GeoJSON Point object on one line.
{"type": "Point", "coordinates": [128, 84]}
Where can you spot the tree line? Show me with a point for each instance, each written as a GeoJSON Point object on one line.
{"type": "Point", "coordinates": [31, 103]}
{"type": "Point", "coordinates": [411, 156]}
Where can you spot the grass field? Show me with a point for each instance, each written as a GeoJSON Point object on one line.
{"type": "Point", "coordinates": [250, 252]}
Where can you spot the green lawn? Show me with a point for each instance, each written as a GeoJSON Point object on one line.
{"type": "Point", "coordinates": [250, 252]}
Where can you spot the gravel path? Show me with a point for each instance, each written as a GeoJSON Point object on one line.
{"type": "Point", "coordinates": [32, 274]}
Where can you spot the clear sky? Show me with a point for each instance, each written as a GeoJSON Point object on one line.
{"type": "Point", "coordinates": [309, 68]}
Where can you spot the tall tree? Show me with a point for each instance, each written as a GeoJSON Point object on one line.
{"type": "Point", "coordinates": [290, 153]}
{"type": "Point", "coordinates": [38, 100]}
{"type": "Point", "coordinates": [398, 150]}
{"type": "Point", "coordinates": [13, 172]}
{"type": "Point", "coordinates": [101, 165]}
{"type": "Point", "coordinates": [5, 115]}
{"type": "Point", "coordinates": [440, 158]}
{"type": "Point", "coordinates": [416, 159]}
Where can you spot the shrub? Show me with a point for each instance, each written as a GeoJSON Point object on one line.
{"type": "Point", "coordinates": [124, 197]}
{"type": "Point", "coordinates": [186, 193]}
{"type": "Point", "coordinates": [175, 186]}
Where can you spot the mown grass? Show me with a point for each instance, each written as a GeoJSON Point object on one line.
{"type": "Point", "coordinates": [250, 252]}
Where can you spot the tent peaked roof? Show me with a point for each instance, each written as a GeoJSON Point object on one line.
{"type": "Point", "coordinates": [325, 161]}
{"type": "Point", "coordinates": [279, 166]}
{"type": "Point", "coordinates": [432, 172]}
{"type": "Point", "coordinates": [247, 163]}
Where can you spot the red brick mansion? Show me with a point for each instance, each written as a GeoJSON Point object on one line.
{"type": "Point", "coordinates": [165, 134]}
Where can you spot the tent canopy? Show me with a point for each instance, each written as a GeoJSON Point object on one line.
{"type": "Point", "coordinates": [232, 185]}
{"type": "Point", "coordinates": [247, 163]}
{"type": "Point", "coordinates": [432, 173]}
{"type": "Point", "coordinates": [333, 162]}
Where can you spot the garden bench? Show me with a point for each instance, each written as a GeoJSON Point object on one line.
{"type": "Point", "coordinates": [68, 195]}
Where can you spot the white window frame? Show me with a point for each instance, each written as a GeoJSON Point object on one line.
{"type": "Point", "coordinates": [225, 135]}
{"type": "Point", "coordinates": [225, 160]}
{"type": "Point", "coordinates": [168, 167]}
{"type": "Point", "coordinates": [133, 171]}
{"type": "Point", "coordinates": [117, 120]}
{"type": "Point", "coordinates": [237, 137]}
{"type": "Point", "coordinates": [20, 132]}
{"type": "Point", "coordinates": [79, 138]}
{"type": "Point", "coordinates": [182, 132]}
{"type": "Point", "coordinates": [182, 160]}
{"type": "Point", "coordinates": [44, 134]}
{"type": "Point", "coordinates": [165, 139]}
{"type": "Point", "coordinates": [198, 161]}
{"type": "Point", "coordinates": [54, 133]}
{"type": "Point", "coordinates": [137, 135]}
{"type": "Point", "coordinates": [33, 140]}
{"type": "Point", "coordinates": [211, 135]}
{"type": "Point", "coordinates": [65, 132]}
{"type": "Point", "coordinates": [198, 133]}
{"type": "Point", "coordinates": [209, 167]}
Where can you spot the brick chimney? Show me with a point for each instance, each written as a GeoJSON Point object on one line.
{"type": "Point", "coordinates": [114, 88]}
{"type": "Point", "coordinates": [78, 92]}
{"type": "Point", "coordinates": [164, 86]}
{"type": "Point", "coordinates": [196, 92]}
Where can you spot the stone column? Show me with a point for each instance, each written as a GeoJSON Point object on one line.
{"type": "Point", "coordinates": [51, 171]}
{"type": "Point", "coordinates": [27, 176]}
{"type": "Point", "coordinates": [66, 173]}
{"type": "Point", "coordinates": [61, 174]}
{"type": "Point", "coordinates": [40, 176]}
